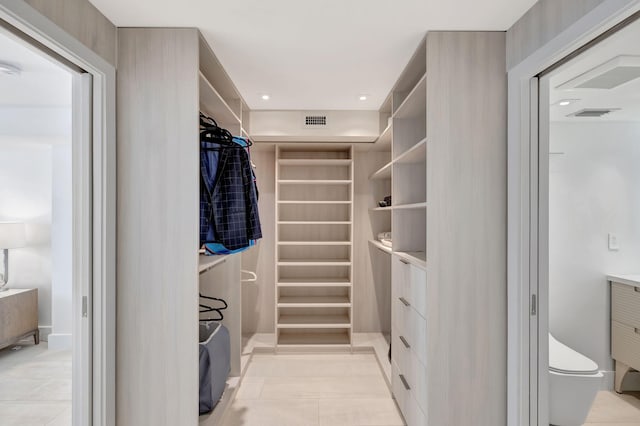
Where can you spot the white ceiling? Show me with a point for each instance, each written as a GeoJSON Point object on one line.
{"type": "Point", "coordinates": [626, 97]}
{"type": "Point", "coordinates": [42, 82]}
{"type": "Point", "coordinates": [315, 55]}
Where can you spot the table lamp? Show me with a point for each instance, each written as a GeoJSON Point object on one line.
{"type": "Point", "coordinates": [12, 235]}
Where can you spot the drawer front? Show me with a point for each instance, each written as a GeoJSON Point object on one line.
{"type": "Point", "coordinates": [418, 290]}
{"type": "Point", "coordinates": [410, 284]}
{"type": "Point", "coordinates": [625, 304]}
{"type": "Point", "coordinates": [18, 314]}
{"type": "Point", "coordinates": [412, 367]}
{"type": "Point", "coordinates": [412, 327]}
{"type": "Point", "coordinates": [404, 395]}
{"type": "Point", "coordinates": [625, 344]}
{"type": "Point", "coordinates": [400, 393]}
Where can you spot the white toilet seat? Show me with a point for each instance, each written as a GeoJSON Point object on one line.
{"type": "Point", "coordinates": [564, 360]}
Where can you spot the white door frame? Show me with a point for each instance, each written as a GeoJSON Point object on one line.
{"type": "Point", "coordinates": [96, 238]}
{"type": "Point", "coordinates": [526, 328]}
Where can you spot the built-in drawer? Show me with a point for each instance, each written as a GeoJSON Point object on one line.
{"type": "Point", "coordinates": [410, 284]}
{"type": "Point", "coordinates": [404, 395]}
{"type": "Point", "coordinates": [625, 304]}
{"type": "Point", "coordinates": [411, 327]}
{"type": "Point", "coordinates": [625, 344]}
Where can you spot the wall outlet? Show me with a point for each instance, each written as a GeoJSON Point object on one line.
{"type": "Point", "coordinates": [613, 242]}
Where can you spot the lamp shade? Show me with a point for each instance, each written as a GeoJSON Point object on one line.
{"type": "Point", "coordinates": [12, 235]}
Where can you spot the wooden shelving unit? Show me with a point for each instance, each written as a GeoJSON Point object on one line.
{"type": "Point", "coordinates": [409, 153]}
{"type": "Point", "coordinates": [314, 246]}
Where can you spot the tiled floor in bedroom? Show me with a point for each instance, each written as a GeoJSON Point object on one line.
{"type": "Point", "coordinates": [35, 386]}
{"type": "Point", "coordinates": [612, 409]}
{"type": "Point", "coordinates": [319, 390]}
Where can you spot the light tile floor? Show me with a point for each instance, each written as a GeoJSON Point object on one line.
{"type": "Point", "coordinates": [35, 386]}
{"type": "Point", "coordinates": [612, 409]}
{"type": "Point", "coordinates": [313, 390]}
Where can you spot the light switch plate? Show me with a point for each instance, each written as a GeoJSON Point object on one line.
{"type": "Point", "coordinates": [613, 242]}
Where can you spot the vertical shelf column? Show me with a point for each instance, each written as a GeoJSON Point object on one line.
{"type": "Point", "coordinates": [314, 246]}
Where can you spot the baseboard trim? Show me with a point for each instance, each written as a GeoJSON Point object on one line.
{"type": "Point", "coordinates": [45, 331]}
{"type": "Point", "coordinates": [59, 342]}
{"type": "Point", "coordinates": [607, 380]}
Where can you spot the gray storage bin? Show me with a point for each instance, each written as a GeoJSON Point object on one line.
{"type": "Point", "coordinates": [215, 364]}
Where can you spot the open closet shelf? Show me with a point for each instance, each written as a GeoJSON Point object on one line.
{"type": "Point", "coordinates": [314, 321]}
{"type": "Point", "coordinates": [312, 202]}
{"type": "Point", "coordinates": [383, 143]}
{"type": "Point", "coordinates": [381, 209]}
{"type": "Point", "coordinates": [415, 102]}
{"type": "Point", "coordinates": [207, 262]}
{"type": "Point", "coordinates": [314, 302]}
{"type": "Point", "coordinates": [212, 103]}
{"type": "Point", "coordinates": [313, 182]}
{"type": "Point", "coordinates": [383, 173]}
{"type": "Point", "coordinates": [418, 258]}
{"type": "Point", "coordinates": [314, 243]}
{"type": "Point", "coordinates": [415, 154]}
{"type": "Point", "coordinates": [411, 206]}
{"type": "Point", "coordinates": [315, 339]}
{"type": "Point", "coordinates": [314, 262]}
{"type": "Point", "coordinates": [313, 222]}
{"type": "Point", "coordinates": [314, 282]}
{"type": "Point", "coordinates": [381, 246]}
{"type": "Point", "coordinates": [314, 162]}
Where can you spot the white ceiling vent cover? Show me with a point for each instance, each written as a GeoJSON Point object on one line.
{"type": "Point", "coordinates": [315, 120]}
{"type": "Point", "coordinates": [611, 74]}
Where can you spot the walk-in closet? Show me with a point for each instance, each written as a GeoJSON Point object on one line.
{"type": "Point", "coordinates": [368, 222]}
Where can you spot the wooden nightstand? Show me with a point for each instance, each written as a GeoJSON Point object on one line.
{"type": "Point", "coordinates": [18, 316]}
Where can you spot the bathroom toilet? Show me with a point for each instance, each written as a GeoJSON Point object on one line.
{"type": "Point", "coordinates": [574, 381]}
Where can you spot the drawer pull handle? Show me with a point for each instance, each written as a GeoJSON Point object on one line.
{"type": "Point", "coordinates": [404, 382]}
{"type": "Point", "coordinates": [404, 301]}
{"type": "Point", "coordinates": [404, 261]}
{"type": "Point", "coordinates": [637, 330]}
{"type": "Point", "coordinates": [407, 345]}
{"type": "Point", "coordinates": [636, 289]}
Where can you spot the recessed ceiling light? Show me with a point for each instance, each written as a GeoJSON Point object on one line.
{"type": "Point", "coordinates": [265, 97]}
{"type": "Point", "coordinates": [9, 69]}
{"type": "Point", "coordinates": [566, 102]}
{"type": "Point", "coordinates": [363, 97]}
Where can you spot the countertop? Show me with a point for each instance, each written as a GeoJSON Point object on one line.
{"type": "Point", "coordinates": [632, 280]}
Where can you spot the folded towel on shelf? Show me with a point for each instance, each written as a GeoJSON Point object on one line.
{"type": "Point", "coordinates": [385, 242]}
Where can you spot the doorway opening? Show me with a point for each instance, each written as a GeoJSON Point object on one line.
{"type": "Point", "coordinates": [588, 211]}
{"type": "Point", "coordinates": [44, 348]}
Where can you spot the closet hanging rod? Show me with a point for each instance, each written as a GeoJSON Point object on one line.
{"type": "Point", "coordinates": [207, 263]}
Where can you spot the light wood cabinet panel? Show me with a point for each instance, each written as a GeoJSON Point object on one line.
{"type": "Point", "coordinates": [158, 227]}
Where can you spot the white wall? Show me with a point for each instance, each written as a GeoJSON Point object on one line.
{"type": "Point", "coordinates": [61, 248]}
{"type": "Point", "coordinates": [25, 194]}
{"type": "Point", "coordinates": [35, 188]}
{"type": "Point", "coordinates": [594, 190]}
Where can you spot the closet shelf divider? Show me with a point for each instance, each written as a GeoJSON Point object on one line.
{"type": "Point", "coordinates": [381, 246]}
{"type": "Point", "coordinates": [214, 105]}
{"type": "Point", "coordinates": [415, 102]}
{"type": "Point", "coordinates": [411, 206]}
{"type": "Point", "coordinates": [314, 182]}
{"type": "Point", "coordinates": [314, 162]}
{"type": "Point", "coordinates": [416, 154]}
{"type": "Point", "coordinates": [383, 173]}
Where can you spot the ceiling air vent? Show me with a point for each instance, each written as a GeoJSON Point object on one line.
{"type": "Point", "coordinates": [593, 112]}
{"type": "Point", "coordinates": [315, 121]}
{"type": "Point", "coordinates": [611, 74]}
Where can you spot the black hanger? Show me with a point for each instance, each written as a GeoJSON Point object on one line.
{"type": "Point", "coordinates": [206, 308]}
{"type": "Point", "coordinates": [210, 132]}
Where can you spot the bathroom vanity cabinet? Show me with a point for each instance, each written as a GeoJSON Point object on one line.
{"type": "Point", "coordinates": [625, 325]}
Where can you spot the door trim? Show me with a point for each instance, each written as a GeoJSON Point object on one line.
{"type": "Point", "coordinates": [26, 20]}
{"type": "Point", "coordinates": [522, 403]}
